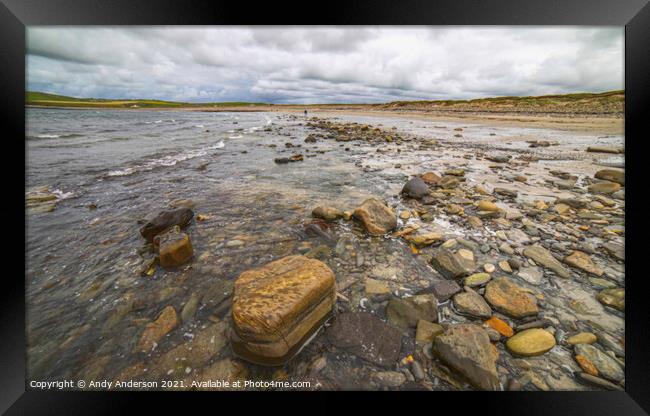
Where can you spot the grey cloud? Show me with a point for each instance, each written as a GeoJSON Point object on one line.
{"type": "Point", "coordinates": [322, 64]}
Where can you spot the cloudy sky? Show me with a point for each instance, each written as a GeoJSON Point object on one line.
{"type": "Point", "coordinates": [322, 64]}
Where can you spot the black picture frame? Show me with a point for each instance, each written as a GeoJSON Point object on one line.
{"type": "Point", "coordinates": [633, 14]}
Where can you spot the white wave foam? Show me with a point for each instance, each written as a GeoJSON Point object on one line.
{"type": "Point", "coordinates": [166, 161]}
{"type": "Point", "coordinates": [239, 136]}
{"type": "Point", "coordinates": [48, 136]}
{"type": "Point", "coordinates": [60, 195]}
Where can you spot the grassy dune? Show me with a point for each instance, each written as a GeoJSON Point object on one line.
{"type": "Point", "coordinates": [611, 102]}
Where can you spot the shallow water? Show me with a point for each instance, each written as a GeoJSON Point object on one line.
{"type": "Point", "coordinates": [87, 301]}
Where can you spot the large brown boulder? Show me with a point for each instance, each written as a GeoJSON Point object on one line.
{"type": "Point", "coordinates": [166, 220]}
{"type": "Point", "coordinates": [467, 349]}
{"type": "Point", "coordinates": [376, 216]}
{"type": "Point", "coordinates": [277, 307]}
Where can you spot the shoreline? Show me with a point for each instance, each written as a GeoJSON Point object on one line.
{"type": "Point", "coordinates": [606, 124]}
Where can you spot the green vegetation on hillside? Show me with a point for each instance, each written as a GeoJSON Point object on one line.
{"type": "Point", "coordinates": [52, 100]}
{"type": "Point", "coordinates": [609, 103]}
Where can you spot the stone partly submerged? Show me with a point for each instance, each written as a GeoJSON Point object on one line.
{"type": "Point", "coordinates": [604, 187]}
{"type": "Point", "coordinates": [166, 220]}
{"type": "Point", "coordinates": [174, 248]}
{"type": "Point", "coordinates": [278, 307]}
{"type": "Point", "coordinates": [614, 297]}
{"type": "Point", "coordinates": [376, 216]}
{"type": "Point", "coordinates": [605, 149]}
{"type": "Point", "coordinates": [327, 213]}
{"type": "Point", "coordinates": [452, 265]}
{"type": "Point", "coordinates": [406, 313]}
{"type": "Point", "coordinates": [611, 175]}
{"type": "Point", "coordinates": [531, 342]}
{"type": "Point", "coordinates": [507, 297]}
{"type": "Point", "coordinates": [607, 366]}
{"type": "Point", "coordinates": [472, 304]}
{"type": "Point", "coordinates": [415, 188]}
{"type": "Point", "coordinates": [581, 260]}
{"type": "Point", "coordinates": [544, 258]}
{"type": "Point", "coordinates": [467, 349]}
{"type": "Point", "coordinates": [367, 337]}
{"type": "Point", "coordinates": [156, 330]}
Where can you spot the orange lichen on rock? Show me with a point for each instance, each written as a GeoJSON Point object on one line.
{"type": "Point", "coordinates": [586, 365]}
{"type": "Point", "coordinates": [500, 326]}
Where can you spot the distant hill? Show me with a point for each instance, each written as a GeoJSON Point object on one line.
{"type": "Point", "coordinates": [609, 104]}
{"type": "Point", "coordinates": [52, 100]}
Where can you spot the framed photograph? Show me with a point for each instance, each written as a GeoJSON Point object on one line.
{"type": "Point", "coordinates": [415, 197]}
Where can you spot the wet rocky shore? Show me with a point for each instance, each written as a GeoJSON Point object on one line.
{"type": "Point", "coordinates": [463, 258]}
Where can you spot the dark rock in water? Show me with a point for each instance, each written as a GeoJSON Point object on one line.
{"type": "Point", "coordinates": [467, 349]}
{"type": "Point", "coordinates": [406, 313]}
{"type": "Point", "coordinates": [415, 188]}
{"type": "Point", "coordinates": [315, 231]}
{"type": "Point", "coordinates": [217, 293]}
{"type": "Point", "coordinates": [165, 220]}
{"type": "Point", "coordinates": [445, 289]}
{"type": "Point", "coordinates": [452, 265]}
{"type": "Point", "coordinates": [281, 160]}
{"type": "Point", "coordinates": [515, 264]}
{"type": "Point", "coordinates": [367, 337]}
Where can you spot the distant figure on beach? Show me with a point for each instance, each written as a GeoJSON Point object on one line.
{"type": "Point", "coordinates": [305, 112]}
